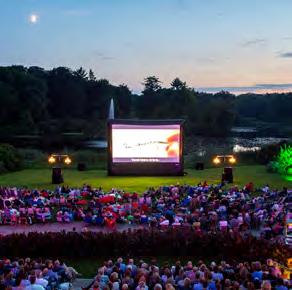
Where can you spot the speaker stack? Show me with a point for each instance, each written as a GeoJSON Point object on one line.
{"type": "Point", "coordinates": [81, 166]}
{"type": "Point", "coordinates": [199, 166]}
{"type": "Point", "coordinates": [57, 176]}
{"type": "Point", "coordinates": [227, 175]}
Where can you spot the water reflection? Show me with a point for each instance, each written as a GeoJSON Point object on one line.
{"type": "Point", "coordinates": [203, 146]}
{"type": "Point", "coordinates": [238, 148]}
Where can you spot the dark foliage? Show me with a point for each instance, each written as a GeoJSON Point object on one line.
{"type": "Point", "coordinates": [50, 102]}
{"type": "Point", "coordinates": [269, 153]}
{"type": "Point", "coordinates": [10, 158]}
{"type": "Point", "coordinates": [143, 243]}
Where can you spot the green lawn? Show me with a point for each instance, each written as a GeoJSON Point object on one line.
{"type": "Point", "coordinates": [88, 267]}
{"type": "Point", "coordinates": [41, 178]}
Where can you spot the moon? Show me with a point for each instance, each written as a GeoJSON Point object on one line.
{"type": "Point", "coordinates": [33, 18]}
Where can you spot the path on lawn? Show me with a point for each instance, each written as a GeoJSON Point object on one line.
{"type": "Point", "coordinates": [68, 227]}
{"type": "Point", "coordinates": [58, 227]}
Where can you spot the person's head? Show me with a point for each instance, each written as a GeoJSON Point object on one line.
{"type": "Point", "coordinates": [22, 274]}
{"type": "Point", "coordinates": [109, 263]}
{"type": "Point", "coordinates": [101, 271]}
{"type": "Point", "coordinates": [95, 284]}
{"type": "Point", "coordinates": [187, 282]}
{"type": "Point", "coordinates": [125, 287]}
{"type": "Point", "coordinates": [45, 272]}
{"type": "Point", "coordinates": [32, 279]}
{"type": "Point", "coordinates": [257, 266]}
{"type": "Point", "coordinates": [38, 273]}
{"type": "Point", "coordinates": [144, 265]}
{"type": "Point", "coordinates": [235, 285]}
{"type": "Point", "coordinates": [227, 283]}
{"type": "Point", "coordinates": [27, 260]}
{"type": "Point", "coordinates": [114, 276]}
{"type": "Point", "coordinates": [57, 263]}
{"type": "Point", "coordinates": [120, 260]}
{"type": "Point", "coordinates": [9, 275]}
{"type": "Point", "coordinates": [266, 285]}
{"type": "Point", "coordinates": [189, 265]}
{"type": "Point", "coordinates": [157, 287]}
{"type": "Point", "coordinates": [169, 286]}
{"type": "Point", "coordinates": [131, 261]}
{"type": "Point", "coordinates": [250, 285]}
{"type": "Point", "coordinates": [128, 272]}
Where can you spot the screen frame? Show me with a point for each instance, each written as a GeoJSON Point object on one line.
{"type": "Point", "coordinates": [145, 168]}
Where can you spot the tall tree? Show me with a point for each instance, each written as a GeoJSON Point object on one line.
{"type": "Point", "coordinates": [177, 84]}
{"type": "Point", "coordinates": [152, 84]}
{"type": "Point", "coordinates": [81, 73]}
{"type": "Point", "coordinates": [91, 76]}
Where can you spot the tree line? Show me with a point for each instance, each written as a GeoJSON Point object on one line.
{"type": "Point", "coordinates": [38, 101]}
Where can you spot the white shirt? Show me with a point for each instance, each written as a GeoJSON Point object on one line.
{"type": "Point", "coordinates": [41, 281]}
{"type": "Point", "coordinates": [34, 287]}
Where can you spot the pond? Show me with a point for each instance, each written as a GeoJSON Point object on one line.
{"type": "Point", "coordinates": [202, 146]}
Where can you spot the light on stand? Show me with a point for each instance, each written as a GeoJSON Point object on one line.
{"type": "Point", "coordinates": [67, 160]}
{"type": "Point", "coordinates": [52, 159]}
{"type": "Point", "coordinates": [227, 175]}
{"type": "Point", "coordinates": [57, 160]}
{"type": "Point", "coordinates": [232, 160]}
{"type": "Point", "coordinates": [216, 160]}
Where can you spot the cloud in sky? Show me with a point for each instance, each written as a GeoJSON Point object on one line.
{"type": "Point", "coordinates": [103, 56]}
{"type": "Point", "coordinates": [257, 88]}
{"type": "Point", "coordinates": [253, 42]}
{"type": "Point", "coordinates": [77, 12]}
{"type": "Point", "coordinates": [286, 54]}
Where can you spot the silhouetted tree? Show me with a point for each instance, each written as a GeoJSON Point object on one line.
{"type": "Point", "coordinates": [91, 76]}
{"type": "Point", "coordinates": [177, 84]}
{"type": "Point", "coordinates": [151, 84]}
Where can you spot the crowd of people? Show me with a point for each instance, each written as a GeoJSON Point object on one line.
{"type": "Point", "coordinates": [128, 275]}
{"type": "Point", "coordinates": [122, 274]}
{"type": "Point", "coordinates": [204, 207]}
{"type": "Point", "coordinates": [35, 274]}
{"type": "Point", "coordinates": [202, 221]}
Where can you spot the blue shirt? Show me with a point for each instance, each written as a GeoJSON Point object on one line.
{"type": "Point", "coordinates": [257, 275]}
{"type": "Point", "coordinates": [198, 286]}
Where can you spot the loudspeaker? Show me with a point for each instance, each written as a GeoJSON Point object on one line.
{"type": "Point", "coordinates": [227, 175]}
{"type": "Point", "coordinates": [199, 166]}
{"type": "Point", "coordinates": [57, 176]}
{"type": "Point", "coordinates": [81, 166]}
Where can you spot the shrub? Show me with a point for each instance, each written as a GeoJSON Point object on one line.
{"type": "Point", "coordinates": [272, 167]}
{"type": "Point", "coordinates": [10, 158]}
{"type": "Point", "coordinates": [33, 158]}
{"type": "Point", "coordinates": [2, 168]}
{"type": "Point", "coordinates": [269, 153]}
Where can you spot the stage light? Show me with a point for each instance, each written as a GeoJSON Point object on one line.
{"type": "Point", "coordinates": [232, 160]}
{"type": "Point", "coordinates": [67, 160]}
{"type": "Point", "coordinates": [216, 160]}
{"type": "Point", "coordinates": [52, 159]}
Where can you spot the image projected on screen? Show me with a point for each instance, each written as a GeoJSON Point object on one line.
{"type": "Point", "coordinates": [146, 143]}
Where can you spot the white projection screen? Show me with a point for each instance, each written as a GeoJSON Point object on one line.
{"type": "Point", "coordinates": [145, 147]}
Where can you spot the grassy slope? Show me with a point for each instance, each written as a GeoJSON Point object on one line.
{"type": "Point", "coordinates": [40, 178]}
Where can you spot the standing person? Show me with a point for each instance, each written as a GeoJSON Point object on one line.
{"type": "Point", "coordinates": [33, 285]}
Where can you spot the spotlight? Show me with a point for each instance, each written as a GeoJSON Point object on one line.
{"type": "Point", "coordinates": [216, 160]}
{"type": "Point", "coordinates": [67, 160]}
{"type": "Point", "coordinates": [232, 160]}
{"type": "Point", "coordinates": [52, 159]}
